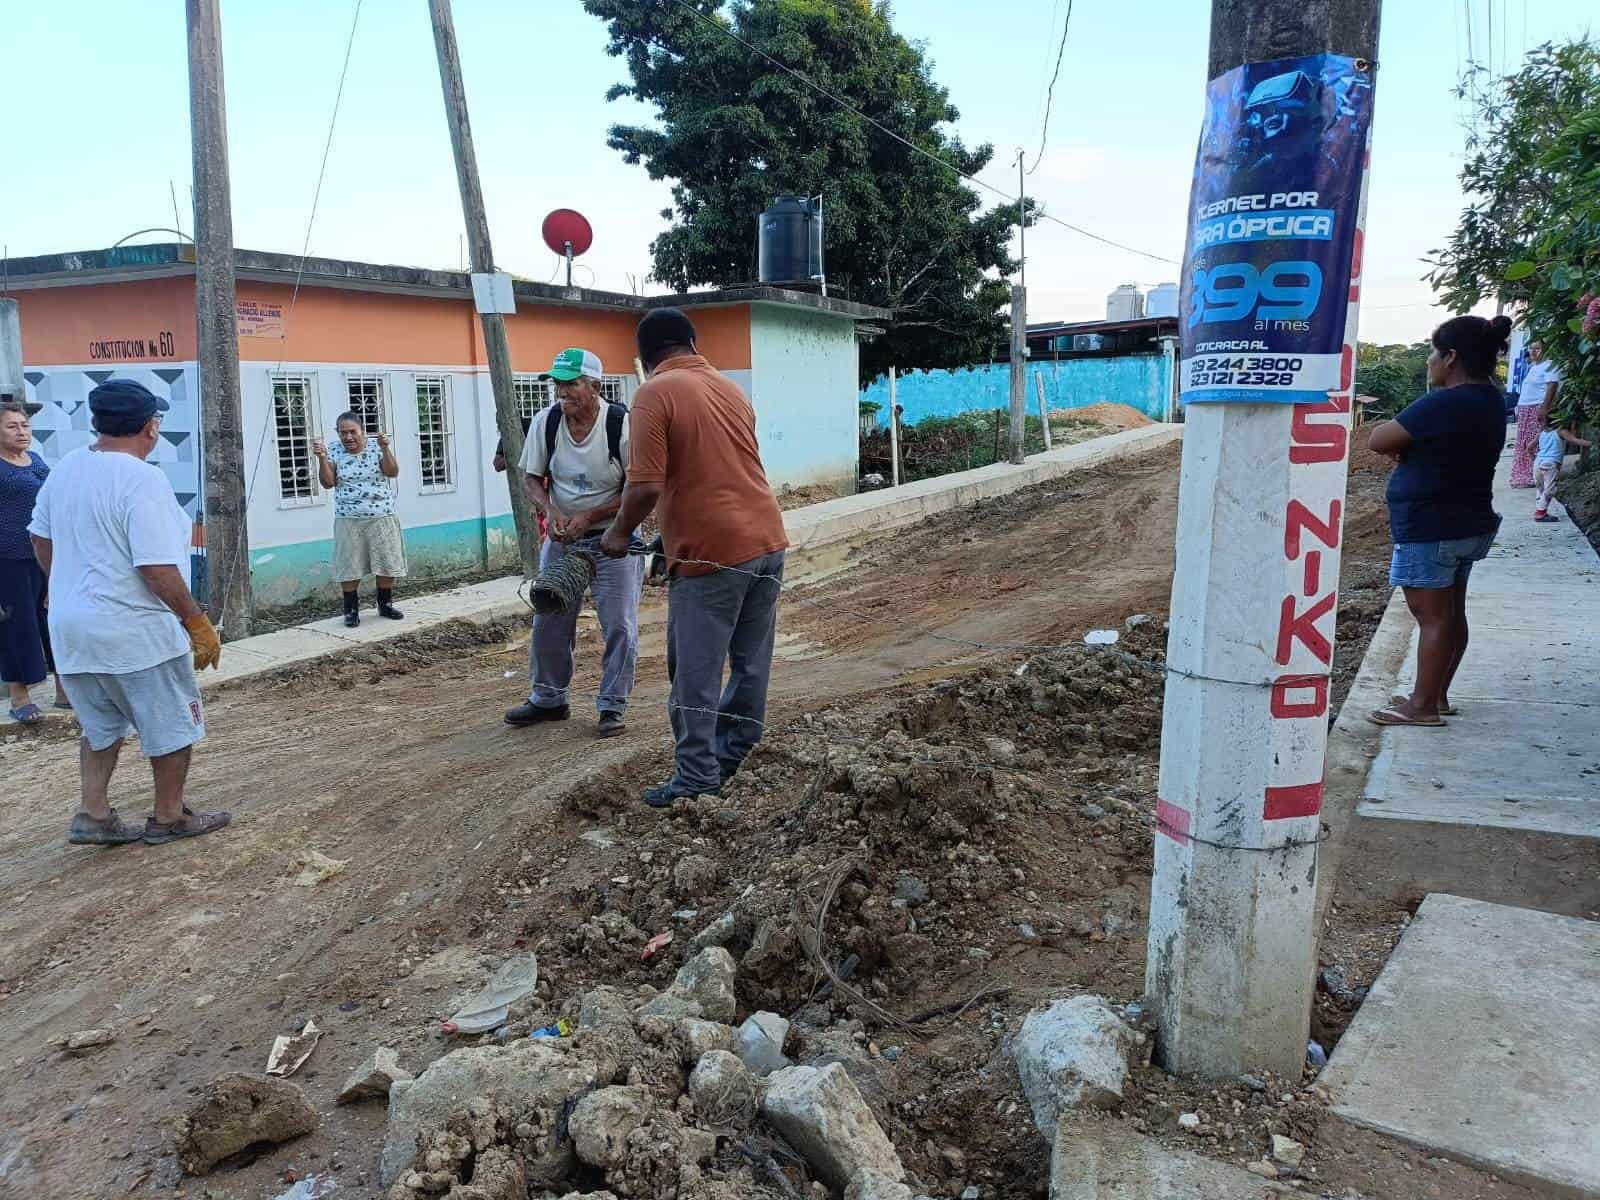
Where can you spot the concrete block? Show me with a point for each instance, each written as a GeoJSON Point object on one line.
{"type": "Point", "coordinates": [1072, 1054]}
{"type": "Point", "coordinates": [1102, 1161]}
{"type": "Point", "coordinates": [823, 1116]}
{"type": "Point", "coordinates": [1480, 1041]}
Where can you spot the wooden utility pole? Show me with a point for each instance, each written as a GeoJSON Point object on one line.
{"type": "Point", "coordinates": [227, 584]}
{"type": "Point", "coordinates": [1019, 371]}
{"type": "Point", "coordinates": [507, 419]}
{"type": "Point", "coordinates": [1232, 946]}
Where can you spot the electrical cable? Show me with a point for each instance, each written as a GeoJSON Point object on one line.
{"type": "Point", "coordinates": [1051, 93]}
{"type": "Point", "coordinates": [928, 154]}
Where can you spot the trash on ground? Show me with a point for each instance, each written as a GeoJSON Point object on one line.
{"type": "Point", "coordinates": [316, 868]}
{"type": "Point", "coordinates": [1101, 637]}
{"type": "Point", "coordinates": [312, 1187]}
{"type": "Point", "coordinates": [515, 980]}
{"type": "Point", "coordinates": [562, 1028]}
{"type": "Point", "coordinates": [656, 944]}
{"type": "Point", "coordinates": [288, 1054]}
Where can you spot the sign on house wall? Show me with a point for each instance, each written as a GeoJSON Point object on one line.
{"type": "Point", "coordinates": [258, 318]}
{"type": "Point", "coordinates": [1273, 230]}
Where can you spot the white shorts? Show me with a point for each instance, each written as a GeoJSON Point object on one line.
{"type": "Point", "coordinates": [160, 703]}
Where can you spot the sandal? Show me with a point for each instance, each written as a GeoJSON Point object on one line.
{"type": "Point", "coordinates": [1446, 710]}
{"type": "Point", "coordinates": [191, 824]}
{"type": "Point", "coordinates": [28, 714]}
{"type": "Point", "coordinates": [114, 831]}
{"type": "Point", "coordinates": [1393, 715]}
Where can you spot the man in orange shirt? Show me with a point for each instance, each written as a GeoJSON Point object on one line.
{"type": "Point", "coordinates": [695, 460]}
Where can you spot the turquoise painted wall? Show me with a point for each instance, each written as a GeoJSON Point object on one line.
{"type": "Point", "coordinates": [284, 574]}
{"type": "Point", "coordinates": [1140, 381]}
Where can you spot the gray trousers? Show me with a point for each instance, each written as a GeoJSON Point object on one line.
{"type": "Point", "coordinates": [724, 619]}
{"type": "Point", "coordinates": [616, 587]}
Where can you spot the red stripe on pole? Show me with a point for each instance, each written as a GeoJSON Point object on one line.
{"type": "Point", "coordinates": [1172, 821]}
{"type": "Point", "coordinates": [1301, 800]}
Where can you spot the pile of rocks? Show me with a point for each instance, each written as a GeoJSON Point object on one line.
{"type": "Point", "coordinates": [654, 1096]}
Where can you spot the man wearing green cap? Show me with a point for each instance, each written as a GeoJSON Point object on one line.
{"type": "Point", "coordinates": [574, 467]}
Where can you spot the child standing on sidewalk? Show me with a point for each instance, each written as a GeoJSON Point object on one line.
{"type": "Point", "coordinates": [1547, 463]}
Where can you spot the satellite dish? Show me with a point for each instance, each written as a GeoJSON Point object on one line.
{"type": "Point", "coordinates": [568, 232]}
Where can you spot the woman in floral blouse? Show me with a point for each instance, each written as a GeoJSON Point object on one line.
{"type": "Point", "coordinates": [366, 533]}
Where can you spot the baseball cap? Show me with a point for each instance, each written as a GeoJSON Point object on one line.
{"type": "Point", "coordinates": [575, 363]}
{"type": "Point", "coordinates": [126, 398]}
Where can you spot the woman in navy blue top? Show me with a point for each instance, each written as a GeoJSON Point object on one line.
{"type": "Point", "coordinates": [24, 634]}
{"type": "Point", "coordinates": [1441, 502]}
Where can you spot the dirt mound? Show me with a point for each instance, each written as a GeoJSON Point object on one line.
{"type": "Point", "coordinates": [1112, 416]}
{"type": "Point", "coordinates": [1581, 496]}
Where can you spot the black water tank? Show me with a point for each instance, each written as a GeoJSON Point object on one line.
{"type": "Point", "coordinates": [789, 241]}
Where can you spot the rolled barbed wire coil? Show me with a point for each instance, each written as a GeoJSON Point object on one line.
{"type": "Point", "coordinates": [559, 588]}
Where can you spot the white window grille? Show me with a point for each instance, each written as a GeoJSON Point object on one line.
{"type": "Point", "coordinates": [294, 417]}
{"type": "Point", "coordinates": [366, 396]}
{"type": "Point", "coordinates": [614, 389]}
{"type": "Point", "coordinates": [435, 434]}
{"type": "Point", "coordinates": [533, 395]}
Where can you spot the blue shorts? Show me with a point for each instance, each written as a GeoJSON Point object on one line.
{"type": "Point", "coordinates": [1437, 564]}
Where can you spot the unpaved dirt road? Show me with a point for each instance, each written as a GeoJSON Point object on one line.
{"type": "Point", "coordinates": [197, 954]}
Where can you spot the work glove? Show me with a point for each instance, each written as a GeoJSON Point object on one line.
{"type": "Point", "coordinates": [204, 641]}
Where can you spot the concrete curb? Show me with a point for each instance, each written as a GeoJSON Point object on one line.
{"type": "Point", "coordinates": [818, 526]}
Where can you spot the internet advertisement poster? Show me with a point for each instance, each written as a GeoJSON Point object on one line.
{"type": "Point", "coordinates": [1272, 227]}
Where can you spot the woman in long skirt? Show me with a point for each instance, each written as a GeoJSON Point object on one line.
{"type": "Point", "coordinates": [366, 533]}
{"type": "Point", "coordinates": [1533, 405]}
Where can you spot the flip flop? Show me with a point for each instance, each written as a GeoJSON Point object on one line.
{"type": "Point", "coordinates": [28, 714]}
{"type": "Point", "coordinates": [1393, 716]}
{"type": "Point", "coordinates": [1449, 710]}
{"type": "Point", "coordinates": [191, 824]}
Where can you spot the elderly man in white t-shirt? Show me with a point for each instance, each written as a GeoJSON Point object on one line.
{"type": "Point", "coordinates": [574, 464]}
{"type": "Point", "coordinates": [127, 635]}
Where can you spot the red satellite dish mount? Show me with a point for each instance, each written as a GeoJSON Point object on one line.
{"type": "Point", "coordinates": [568, 232]}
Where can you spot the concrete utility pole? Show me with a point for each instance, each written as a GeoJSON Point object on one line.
{"type": "Point", "coordinates": [1232, 949]}
{"type": "Point", "coordinates": [1019, 371]}
{"type": "Point", "coordinates": [227, 590]}
{"type": "Point", "coordinates": [508, 420]}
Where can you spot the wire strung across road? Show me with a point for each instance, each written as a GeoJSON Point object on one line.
{"type": "Point", "coordinates": [940, 159]}
{"type": "Point", "coordinates": [1050, 95]}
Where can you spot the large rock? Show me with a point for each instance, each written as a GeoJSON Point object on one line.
{"type": "Point", "coordinates": [703, 988]}
{"type": "Point", "coordinates": [722, 1091]}
{"type": "Point", "coordinates": [528, 1082]}
{"type": "Point", "coordinates": [1072, 1054]}
{"type": "Point", "coordinates": [604, 1006]}
{"type": "Point", "coordinates": [603, 1120]}
{"type": "Point", "coordinates": [869, 1185]}
{"type": "Point", "coordinates": [698, 1038]}
{"type": "Point", "coordinates": [236, 1111]}
{"type": "Point", "coordinates": [373, 1078]}
{"type": "Point", "coordinates": [823, 1116]}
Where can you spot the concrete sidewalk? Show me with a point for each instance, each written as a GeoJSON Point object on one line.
{"type": "Point", "coordinates": [814, 531]}
{"type": "Point", "coordinates": [1524, 753]}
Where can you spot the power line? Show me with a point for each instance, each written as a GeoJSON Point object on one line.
{"type": "Point", "coordinates": [1051, 94]}
{"type": "Point", "coordinates": [928, 154]}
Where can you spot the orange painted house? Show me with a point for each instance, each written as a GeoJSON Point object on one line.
{"type": "Point", "coordinates": [401, 346]}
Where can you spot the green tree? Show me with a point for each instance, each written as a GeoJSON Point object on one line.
{"type": "Point", "coordinates": [1530, 232]}
{"type": "Point", "coordinates": [733, 131]}
{"type": "Point", "coordinates": [1396, 375]}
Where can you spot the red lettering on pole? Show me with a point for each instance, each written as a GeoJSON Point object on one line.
{"type": "Point", "coordinates": [1292, 625]}
{"type": "Point", "coordinates": [1286, 709]}
{"type": "Point", "coordinates": [1300, 517]}
{"type": "Point", "coordinates": [1172, 821]}
{"type": "Point", "coordinates": [1318, 443]}
{"type": "Point", "coordinates": [1300, 800]}
{"type": "Point", "coordinates": [1313, 572]}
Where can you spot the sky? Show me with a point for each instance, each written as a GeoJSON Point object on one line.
{"type": "Point", "coordinates": [106, 147]}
